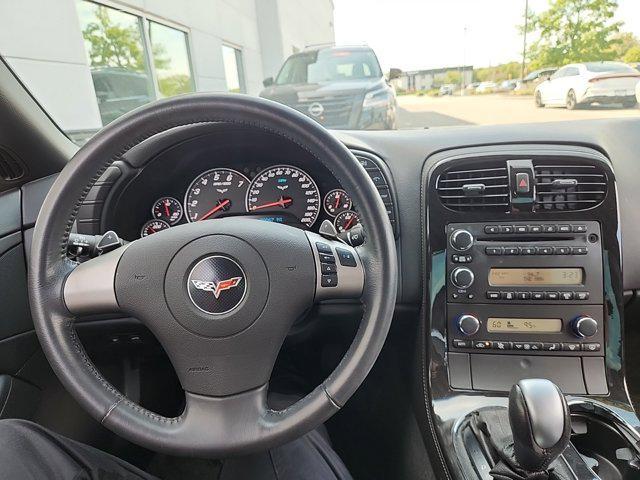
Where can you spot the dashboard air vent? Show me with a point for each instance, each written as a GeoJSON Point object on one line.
{"type": "Point", "coordinates": [11, 168]}
{"type": "Point", "coordinates": [467, 189]}
{"type": "Point", "coordinates": [569, 187]}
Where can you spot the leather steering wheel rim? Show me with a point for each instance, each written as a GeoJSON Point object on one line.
{"type": "Point", "coordinates": [216, 425]}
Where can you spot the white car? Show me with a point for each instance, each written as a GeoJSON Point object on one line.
{"type": "Point", "coordinates": [586, 83]}
{"type": "Point", "coordinates": [638, 91]}
{"type": "Point", "coordinates": [487, 87]}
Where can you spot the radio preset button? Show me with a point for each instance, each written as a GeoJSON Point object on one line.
{"type": "Point", "coordinates": [544, 250]}
{"type": "Point", "coordinates": [562, 250]}
{"type": "Point", "coordinates": [579, 250]}
{"type": "Point", "coordinates": [511, 251]}
{"type": "Point", "coordinates": [468, 324]}
{"type": "Point", "coordinates": [461, 240]}
{"type": "Point", "coordinates": [527, 250]}
{"type": "Point", "coordinates": [564, 228]}
{"type": "Point", "coordinates": [506, 228]}
{"type": "Point", "coordinates": [493, 251]}
{"type": "Point", "coordinates": [492, 229]}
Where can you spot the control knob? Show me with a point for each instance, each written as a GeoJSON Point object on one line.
{"type": "Point", "coordinates": [468, 324]}
{"type": "Point", "coordinates": [461, 240]}
{"type": "Point", "coordinates": [584, 326]}
{"type": "Point", "coordinates": [462, 277]}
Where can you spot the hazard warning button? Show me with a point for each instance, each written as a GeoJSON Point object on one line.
{"type": "Point", "coordinates": [523, 185]}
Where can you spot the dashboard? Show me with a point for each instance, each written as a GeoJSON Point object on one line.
{"type": "Point", "coordinates": [217, 176]}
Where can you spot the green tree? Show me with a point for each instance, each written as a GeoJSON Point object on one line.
{"type": "Point", "coordinates": [624, 41]}
{"type": "Point", "coordinates": [632, 55]}
{"type": "Point", "coordinates": [453, 76]}
{"type": "Point", "coordinates": [111, 43]}
{"type": "Point", "coordinates": [575, 31]}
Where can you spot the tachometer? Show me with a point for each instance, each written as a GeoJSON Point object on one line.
{"type": "Point", "coordinates": [215, 192]}
{"type": "Point", "coordinates": [284, 187]}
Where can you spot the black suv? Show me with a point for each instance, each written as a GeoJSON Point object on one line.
{"type": "Point", "coordinates": [340, 87]}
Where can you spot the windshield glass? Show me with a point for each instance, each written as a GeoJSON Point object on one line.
{"type": "Point", "coordinates": [347, 64]}
{"type": "Point", "coordinates": [329, 65]}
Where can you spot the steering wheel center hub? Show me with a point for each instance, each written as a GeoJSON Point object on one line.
{"type": "Point", "coordinates": [217, 285]}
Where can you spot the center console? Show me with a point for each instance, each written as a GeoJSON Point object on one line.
{"type": "Point", "coordinates": [523, 280]}
{"type": "Point", "coordinates": [527, 290]}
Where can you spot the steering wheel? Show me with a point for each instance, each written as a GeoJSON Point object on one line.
{"type": "Point", "coordinates": [220, 296]}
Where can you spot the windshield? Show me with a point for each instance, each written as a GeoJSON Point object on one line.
{"type": "Point", "coordinates": [609, 67]}
{"type": "Point", "coordinates": [347, 64]}
{"type": "Point", "coordinates": [329, 65]}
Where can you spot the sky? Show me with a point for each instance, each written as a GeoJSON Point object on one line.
{"type": "Point", "coordinates": [423, 34]}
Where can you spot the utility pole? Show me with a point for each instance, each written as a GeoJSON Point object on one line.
{"type": "Point", "coordinates": [464, 59]}
{"type": "Point", "coordinates": [524, 41]}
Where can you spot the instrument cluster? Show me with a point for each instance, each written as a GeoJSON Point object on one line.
{"type": "Point", "coordinates": [279, 193]}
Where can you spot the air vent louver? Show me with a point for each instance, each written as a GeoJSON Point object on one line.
{"type": "Point", "coordinates": [11, 168]}
{"type": "Point", "coordinates": [467, 189]}
{"type": "Point", "coordinates": [569, 187]}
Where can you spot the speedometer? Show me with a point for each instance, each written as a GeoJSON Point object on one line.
{"type": "Point", "coordinates": [216, 192]}
{"type": "Point", "coordinates": [285, 188]}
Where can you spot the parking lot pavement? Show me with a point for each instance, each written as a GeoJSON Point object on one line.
{"type": "Point", "coordinates": [425, 111]}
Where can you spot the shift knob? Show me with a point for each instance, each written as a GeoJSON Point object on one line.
{"type": "Point", "coordinates": [540, 423]}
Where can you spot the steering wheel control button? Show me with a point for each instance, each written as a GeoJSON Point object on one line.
{"type": "Point", "coordinates": [323, 248]}
{"type": "Point", "coordinates": [325, 258]}
{"type": "Point", "coordinates": [346, 258]}
{"type": "Point", "coordinates": [327, 268]}
{"type": "Point", "coordinates": [217, 285]}
{"type": "Point", "coordinates": [329, 281]}
{"type": "Point", "coordinates": [461, 240]}
{"type": "Point", "coordinates": [468, 325]}
{"type": "Point", "coordinates": [585, 327]}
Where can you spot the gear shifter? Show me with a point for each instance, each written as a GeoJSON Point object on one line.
{"type": "Point", "coordinates": [540, 423]}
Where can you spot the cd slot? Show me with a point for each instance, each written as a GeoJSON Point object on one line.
{"type": "Point", "coordinates": [527, 239]}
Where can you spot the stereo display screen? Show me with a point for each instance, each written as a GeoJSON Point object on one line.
{"type": "Point", "coordinates": [524, 325]}
{"type": "Point", "coordinates": [524, 277]}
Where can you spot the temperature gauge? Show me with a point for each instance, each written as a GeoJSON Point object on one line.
{"type": "Point", "coordinates": [337, 201]}
{"type": "Point", "coordinates": [153, 226]}
{"type": "Point", "coordinates": [167, 209]}
{"type": "Point", "coordinates": [346, 221]}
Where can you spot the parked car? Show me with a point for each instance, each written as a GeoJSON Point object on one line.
{"type": "Point", "coordinates": [507, 85]}
{"type": "Point", "coordinates": [638, 92]}
{"type": "Point", "coordinates": [119, 91]}
{"type": "Point", "coordinates": [487, 87]}
{"type": "Point", "coordinates": [580, 84]}
{"type": "Point", "coordinates": [535, 77]}
{"type": "Point", "coordinates": [340, 87]}
{"type": "Point", "coordinates": [446, 89]}
{"type": "Point", "coordinates": [472, 86]}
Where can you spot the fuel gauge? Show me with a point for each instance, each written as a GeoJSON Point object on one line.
{"type": "Point", "coordinates": [167, 209]}
{"type": "Point", "coordinates": [337, 201]}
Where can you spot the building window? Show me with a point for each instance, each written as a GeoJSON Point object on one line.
{"type": "Point", "coordinates": [171, 59]}
{"type": "Point", "coordinates": [233, 69]}
{"type": "Point", "coordinates": [125, 72]}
